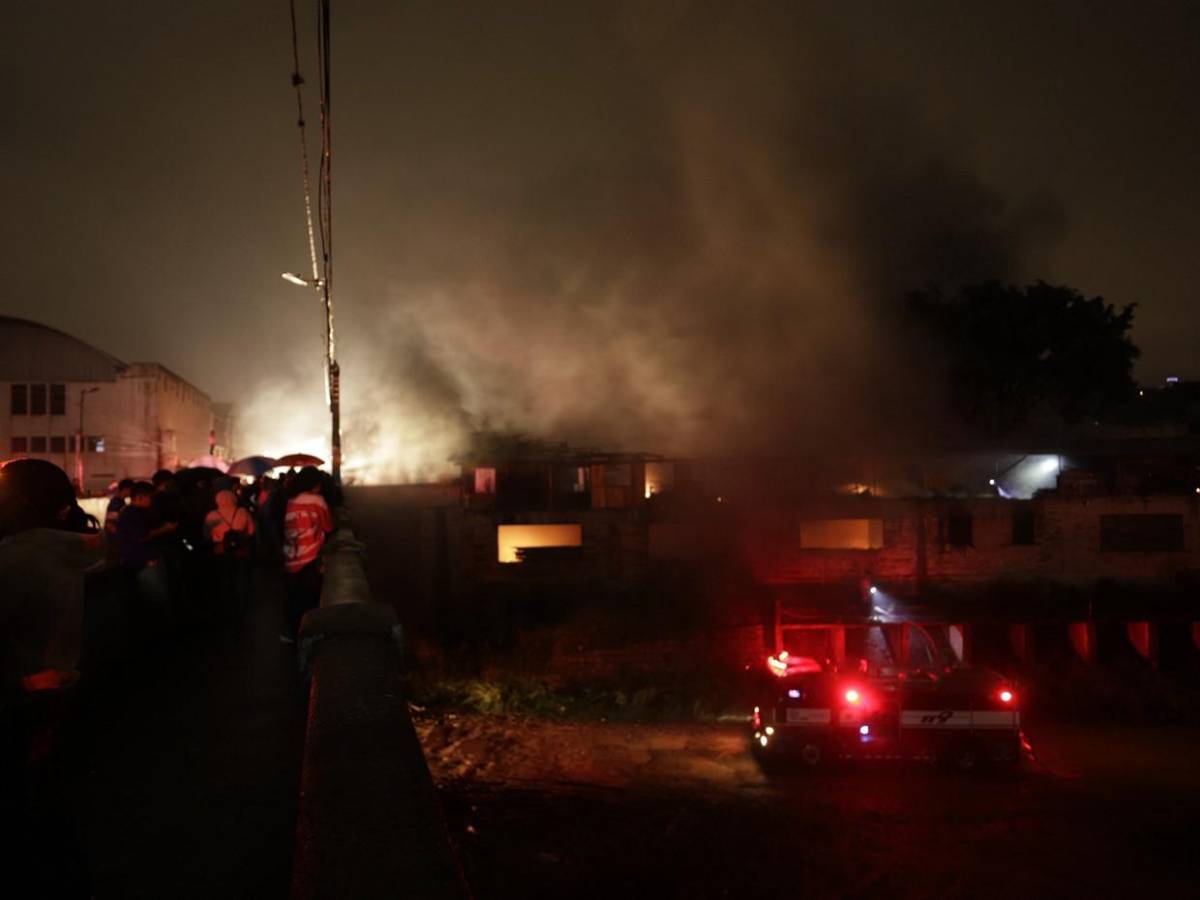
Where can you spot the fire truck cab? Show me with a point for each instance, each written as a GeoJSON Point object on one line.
{"type": "Point", "coordinates": [962, 716]}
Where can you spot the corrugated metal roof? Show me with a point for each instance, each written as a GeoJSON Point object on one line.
{"type": "Point", "coordinates": [30, 351]}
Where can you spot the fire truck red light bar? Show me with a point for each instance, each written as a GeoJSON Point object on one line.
{"type": "Point", "coordinates": [852, 696]}
{"type": "Point", "coordinates": [1006, 696]}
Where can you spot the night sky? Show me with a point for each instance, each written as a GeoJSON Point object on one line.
{"type": "Point", "coordinates": [675, 228]}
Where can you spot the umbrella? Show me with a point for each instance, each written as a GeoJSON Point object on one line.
{"type": "Point", "coordinates": [253, 466]}
{"type": "Point", "coordinates": [301, 460]}
{"type": "Point", "coordinates": [209, 462]}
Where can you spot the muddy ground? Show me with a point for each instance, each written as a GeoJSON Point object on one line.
{"type": "Point", "coordinates": [539, 808]}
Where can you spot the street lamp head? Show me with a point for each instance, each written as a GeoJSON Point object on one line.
{"type": "Point", "coordinates": [300, 280]}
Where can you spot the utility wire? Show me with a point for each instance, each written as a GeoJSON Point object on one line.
{"type": "Point", "coordinates": [298, 84]}
{"type": "Point", "coordinates": [323, 268]}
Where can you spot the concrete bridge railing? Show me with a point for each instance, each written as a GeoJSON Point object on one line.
{"type": "Point", "coordinates": [369, 822]}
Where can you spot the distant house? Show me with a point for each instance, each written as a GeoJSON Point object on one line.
{"type": "Point", "coordinates": [559, 507]}
{"type": "Point", "coordinates": [101, 419]}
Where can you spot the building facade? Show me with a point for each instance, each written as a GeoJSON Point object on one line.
{"type": "Point", "coordinates": [97, 417]}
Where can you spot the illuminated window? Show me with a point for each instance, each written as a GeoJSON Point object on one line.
{"type": "Point", "coordinates": [660, 477]}
{"type": "Point", "coordinates": [58, 399]}
{"type": "Point", "coordinates": [37, 445]}
{"type": "Point", "coordinates": [485, 481]}
{"type": "Point", "coordinates": [20, 400]}
{"type": "Point", "coordinates": [20, 445]}
{"type": "Point", "coordinates": [511, 538]}
{"type": "Point", "coordinates": [841, 534]}
{"type": "Point", "coordinates": [37, 399]}
{"type": "Point", "coordinates": [93, 444]}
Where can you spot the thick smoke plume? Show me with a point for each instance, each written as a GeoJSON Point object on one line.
{"type": "Point", "coordinates": [689, 231]}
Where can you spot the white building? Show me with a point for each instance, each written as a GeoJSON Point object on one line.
{"type": "Point", "coordinates": [99, 418]}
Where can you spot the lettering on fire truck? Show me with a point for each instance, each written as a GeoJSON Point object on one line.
{"type": "Point", "coordinates": [958, 718]}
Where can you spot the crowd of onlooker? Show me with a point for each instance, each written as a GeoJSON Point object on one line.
{"type": "Point", "coordinates": [189, 542]}
{"type": "Point", "coordinates": [183, 548]}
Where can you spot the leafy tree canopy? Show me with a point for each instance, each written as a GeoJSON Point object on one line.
{"type": "Point", "coordinates": [1017, 353]}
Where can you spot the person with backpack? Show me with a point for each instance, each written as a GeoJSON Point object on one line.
{"type": "Point", "coordinates": [230, 529]}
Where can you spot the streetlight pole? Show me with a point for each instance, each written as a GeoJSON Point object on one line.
{"type": "Point", "coordinates": [332, 371]}
{"type": "Point", "coordinates": [322, 271]}
{"type": "Point", "coordinates": [333, 376]}
{"type": "Point", "coordinates": [79, 438]}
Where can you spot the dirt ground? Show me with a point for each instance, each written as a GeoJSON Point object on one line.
{"type": "Point", "coordinates": [539, 808]}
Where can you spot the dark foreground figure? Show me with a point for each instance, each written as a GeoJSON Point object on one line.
{"type": "Point", "coordinates": [193, 763]}
{"type": "Point", "coordinates": [151, 738]}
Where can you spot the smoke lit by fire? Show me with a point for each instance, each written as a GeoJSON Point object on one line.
{"type": "Point", "coordinates": [679, 245]}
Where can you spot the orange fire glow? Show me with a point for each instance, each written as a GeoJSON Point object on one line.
{"type": "Point", "coordinates": [509, 538]}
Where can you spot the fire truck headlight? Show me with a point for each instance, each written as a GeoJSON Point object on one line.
{"type": "Point", "coordinates": [769, 730]}
{"type": "Point", "coordinates": [763, 740]}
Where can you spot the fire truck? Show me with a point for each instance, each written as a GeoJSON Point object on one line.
{"type": "Point", "coordinates": [962, 716]}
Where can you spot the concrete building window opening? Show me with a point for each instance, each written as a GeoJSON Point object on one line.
{"type": "Point", "coordinates": [58, 444]}
{"type": "Point", "coordinates": [37, 400]}
{"type": "Point", "coordinates": [485, 480]}
{"type": "Point", "coordinates": [37, 444]}
{"type": "Point", "coordinates": [617, 475]}
{"type": "Point", "coordinates": [960, 529]}
{"type": "Point", "coordinates": [577, 480]}
{"type": "Point", "coordinates": [58, 399]}
{"type": "Point", "coordinates": [19, 400]}
{"type": "Point", "coordinates": [1023, 527]}
{"type": "Point", "coordinates": [513, 540]}
{"type": "Point", "coordinates": [1141, 532]}
{"type": "Point", "coordinates": [660, 478]}
{"type": "Point", "coordinates": [20, 445]}
{"type": "Point", "coordinates": [841, 534]}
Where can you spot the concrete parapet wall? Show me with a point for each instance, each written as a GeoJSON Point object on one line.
{"type": "Point", "coordinates": [369, 822]}
{"type": "Point", "coordinates": [345, 570]}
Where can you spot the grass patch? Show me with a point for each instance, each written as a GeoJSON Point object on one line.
{"type": "Point", "coordinates": [635, 702]}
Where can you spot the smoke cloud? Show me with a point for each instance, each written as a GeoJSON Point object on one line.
{"type": "Point", "coordinates": [688, 231]}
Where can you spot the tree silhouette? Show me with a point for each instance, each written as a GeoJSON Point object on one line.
{"type": "Point", "coordinates": [1018, 353]}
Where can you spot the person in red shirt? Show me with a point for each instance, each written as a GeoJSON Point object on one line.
{"type": "Point", "coordinates": [305, 524]}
